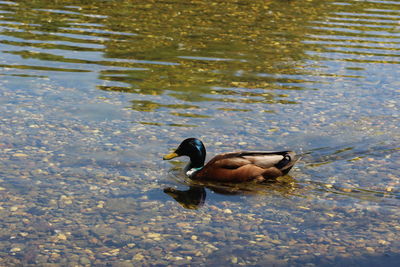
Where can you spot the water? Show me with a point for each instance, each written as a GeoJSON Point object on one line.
{"type": "Point", "coordinates": [93, 94]}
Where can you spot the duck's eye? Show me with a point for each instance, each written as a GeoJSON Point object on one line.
{"type": "Point", "coordinates": [288, 158]}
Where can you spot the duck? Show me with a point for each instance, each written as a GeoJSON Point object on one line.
{"type": "Point", "coordinates": [233, 167]}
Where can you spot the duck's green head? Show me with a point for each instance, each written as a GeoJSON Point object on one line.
{"type": "Point", "coordinates": [193, 148]}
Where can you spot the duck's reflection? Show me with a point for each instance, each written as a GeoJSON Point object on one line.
{"type": "Point", "coordinates": [195, 196]}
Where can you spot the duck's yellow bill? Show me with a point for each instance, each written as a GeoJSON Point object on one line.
{"type": "Point", "coordinates": [170, 156]}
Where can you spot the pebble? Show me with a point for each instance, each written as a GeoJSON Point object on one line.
{"type": "Point", "coordinates": [227, 211]}
{"type": "Point", "coordinates": [61, 236]}
{"type": "Point", "coordinates": [100, 204]}
{"type": "Point", "coordinates": [276, 242]}
{"type": "Point", "coordinates": [383, 242]}
{"type": "Point", "coordinates": [84, 261]}
{"type": "Point", "coordinates": [13, 208]}
{"type": "Point", "coordinates": [138, 257]}
{"type": "Point", "coordinates": [20, 155]}
{"type": "Point", "coordinates": [112, 252]}
{"type": "Point", "coordinates": [154, 235]}
{"type": "Point", "coordinates": [15, 249]}
{"type": "Point", "coordinates": [123, 264]}
{"type": "Point", "coordinates": [234, 260]}
{"type": "Point", "coordinates": [370, 249]}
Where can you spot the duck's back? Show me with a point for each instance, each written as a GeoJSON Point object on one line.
{"type": "Point", "coordinates": [247, 165]}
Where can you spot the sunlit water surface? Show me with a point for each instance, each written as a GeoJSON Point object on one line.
{"type": "Point", "coordinates": [92, 95]}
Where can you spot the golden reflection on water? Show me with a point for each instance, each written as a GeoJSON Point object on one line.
{"type": "Point", "coordinates": [170, 41]}
{"type": "Point", "coordinates": [236, 53]}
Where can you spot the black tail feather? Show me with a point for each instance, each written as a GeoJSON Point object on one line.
{"type": "Point", "coordinates": [289, 159]}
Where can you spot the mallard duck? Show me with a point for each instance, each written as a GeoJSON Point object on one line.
{"type": "Point", "coordinates": [235, 166]}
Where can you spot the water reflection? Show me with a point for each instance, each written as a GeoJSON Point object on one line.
{"type": "Point", "coordinates": [258, 55]}
{"type": "Point", "coordinates": [140, 57]}
{"type": "Point", "coordinates": [195, 196]}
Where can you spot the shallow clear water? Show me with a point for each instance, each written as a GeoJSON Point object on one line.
{"type": "Point", "coordinates": [93, 94]}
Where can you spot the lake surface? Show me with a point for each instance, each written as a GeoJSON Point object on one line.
{"type": "Point", "coordinates": [93, 93]}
